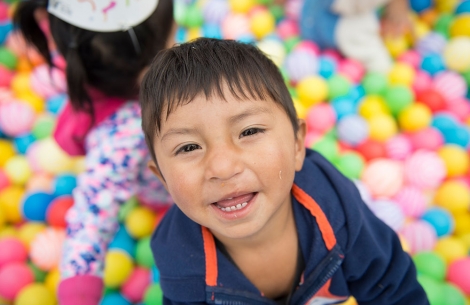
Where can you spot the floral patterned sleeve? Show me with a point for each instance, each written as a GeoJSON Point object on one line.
{"type": "Point", "coordinates": [115, 170]}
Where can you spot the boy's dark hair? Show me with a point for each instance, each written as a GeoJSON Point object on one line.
{"type": "Point", "coordinates": [203, 66]}
{"type": "Point", "coordinates": [108, 62]}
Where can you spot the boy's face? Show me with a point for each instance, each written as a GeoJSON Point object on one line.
{"type": "Point", "coordinates": [229, 165]}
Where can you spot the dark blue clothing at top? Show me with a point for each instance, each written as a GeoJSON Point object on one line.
{"type": "Point", "coordinates": [346, 249]}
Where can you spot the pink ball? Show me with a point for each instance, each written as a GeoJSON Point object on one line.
{"type": "Point", "coordinates": [13, 277]}
{"type": "Point", "coordinates": [422, 81]}
{"type": "Point", "coordinates": [333, 54]}
{"type": "Point", "coordinates": [311, 137]}
{"type": "Point", "coordinates": [351, 69]}
{"type": "Point", "coordinates": [429, 139]}
{"type": "Point", "coordinates": [136, 285]}
{"type": "Point", "coordinates": [308, 46]}
{"type": "Point", "coordinates": [16, 118]}
{"type": "Point", "coordinates": [451, 85]}
{"type": "Point", "coordinates": [293, 8]}
{"type": "Point", "coordinates": [5, 95]}
{"type": "Point", "coordinates": [46, 248]}
{"type": "Point", "coordinates": [411, 58]}
{"type": "Point", "coordinates": [459, 274]}
{"type": "Point", "coordinates": [321, 118]}
{"type": "Point", "coordinates": [5, 77]}
{"type": "Point", "coordinates": [12, 251]}
{"type": "Point", "coordinates": [398, 147]}
{"type": "Point", "coordinates": [47, 82]}
{"type": "Point", "coordinates": [389, 212]}
{"type": "Point", "coordinates": [287, 28]}
{"type": "Point", "coordinates": [411, 200]}
{"type": "Point", "coordinates": [4, 181]}
{"type": "Point", "coordinates": [235, 26]}
{"type": "Point", "coordinates": [420, 235]}
{"type": "Point", "coordinates": [3, 11]}
{"type": "Point", "coordinates": [425, 170]}
{"type": "Point", "coordinates": [383, 177]}
{"type": "Point", "coordinates": [460, 108]}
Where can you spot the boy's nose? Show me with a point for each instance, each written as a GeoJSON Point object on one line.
{"type": "Point", "coordinates": [223, 163]}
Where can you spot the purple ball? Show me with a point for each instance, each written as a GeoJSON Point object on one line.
{"type": "Point", "coordinates": [300, 64]}
{"type": "Point", "coordinates": [215, 11]}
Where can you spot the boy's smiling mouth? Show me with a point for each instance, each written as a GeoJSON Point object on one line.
{"type": "Point", "coordinates": [234, 203]}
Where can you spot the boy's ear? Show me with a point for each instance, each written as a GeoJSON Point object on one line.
{"type": "Point", "coordinates": [156, 171]}
{"type": "Point", "coordinates": [300, 145]}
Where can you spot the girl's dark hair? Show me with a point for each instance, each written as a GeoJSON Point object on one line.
{"type": "Point", "coordinates": [203, 66]}
{"type": "Point", "coordinates": [108, 62]}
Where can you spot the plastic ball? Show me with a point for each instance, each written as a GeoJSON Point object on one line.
{"type": "Point", "coordinates": [43, 126]}
{"type": "Point", "coordinates": [431, 43]}
{"type": "Point", "coordinates": [343, 106]}
{"type": "Point", "coordinates": [123, 240]}
{"type": "Point", "coordinates": [410, 57]}
{"type": "Point", "coordinates": [371, 149]}
{"type": "Point", "coordinates": [398, 97]}
{"type": "Point", "coordinates": [46, 248]}
{"type": "Point", "coordinates": [398, 147]}
{"type": "Point", "coordinates": [327, 147]}
{"type": "Point", "coordinates": [401, 74]}
{"type": "Point", "coordinates": [375, 83]}
{"type": "Point", "coordinates": [241, 6]}
{"type": "Point", "coordinates": [455, 56]}
{"type": "Point", "coordinates": [460, 26]}
{"type": "Point", "coordinates": [118, 267]}
{"type": "Point", "coordinates": [460, 108]}
{"type": "Point", "coordinates": [312, 90]}
{"type": "Point", "coordinates": [287, 28]}
{"type": "Point", "coordinates": [320, 118]}
{"type": "Point", "coordinates": [458, 274]}
{"type": "Point", "coordinates": [443, 23]}
{"type": "Point", "coordinates": [396, 46]}
{"type": "Point", "coordinates": [430, 264]}
{"type": "Point", "coordinates": [459, 136]}
{"type": "Point", "coordinates": [452, 295]}
{"type": "Point", "coordinates": [57, 209]}
{"type": "Point", "coordinates": [64, 184]}
{"type": "Point", "coordinates": [432, 99]}
{"type": "Point", "coordinates": [136, 285]}
{"type": "Point", "coordinates": [326, 66]}
{"type": "Point", "coordinates": [352, 129]}
{"type": "Point", "coordinates": [389, 213]}
{"type": "Point", "coordinates": [309, 47]}
{"type": "Point", "coordinates": [211, 31]}
{"type": "Point", "coordinates": [155, 275]}
{"type": "Point", "coordinates": [16, 118]}
{"type": "Point", "coordinates": [451, 85]}
{"type": "Point", "coordinates": [462, 224]}
{"type": "Point", "coordinates": [52, 280]}
{"type": "Point", "coordinates": [455, 159]}
{"type": "Point", "coordinates": [235, 25]}
{"type": "Point", "coordinates": [28, 232]}
{"type": "Point", "coordinates": [23, 142]}
{"type": "Point", "coordinates": [214, 11]}
{"type": "Point", "coordinates": [47, 82]}
{"type": "Point", "coordinates": [444, 122]}
{"type": "Point", "coordinates": [424, 169]}
{"type": "Point", "coordinates": [352, 69]}
{"type": "Point", "coordinates": [372, 106]}
{"type": "Point", "coordinates": [140, 222]}
{"type": "Point", "coordinates": [423, 81]}
{"type": "Point", "coordinates": [338, 86]}
{"type": "Point", "coordinates": [274, 49]}
{"type": "Point", "coordinates": [301, 64]}
{"type": "Point", "coordinates": [115, 298]}
{"type": "Point", "coordinates": [433, 63]}
{"type": "Point", "coordinates": [13, 278]}
{"type": "Point", "coordinates": [7, 58]}
{"type": "Point", "coordinates": [382, 127]}
{"type": "Point", "coordinates": [440, 219]}
{"type": "Point", "coordinates": [35, 294]}
{"type": "Point", "coordinates": [17, 170]}
{"type": "Point", "coordinates": [154, 295]}
{"type": "Point", "coordinates": [13, 251]}
{"type": "Point", "coordinates": [415, 117]}
{"type": "Point", "coordinates": [350, 164]}
{"type": "Point", "coordinates": [6, 77]}
{"type": "Point", "coordinates": [411, 200]}
{"type": "Point", "coordinates": [453, 196]}
{"type": "Point", "coordinates": [144, 256]}
{"type": "Point", "coordinates": [451, 248]}
{"type": "Point", "coordinates": [51, 158]}
{"type": "Point", "coordinates": [420, 236]}
{"type": "Point", "coordinates": [10, 201]}
{"type": "Point", "coordinates": [433, 289]}
{"type": "Point", "coordinates": [40, 182]}
{"type": "Point", "coordinates": [35, 206]}
{"type": "Point", "coordinates": [383, 185]}
{"type": "Point", "coordinates": [262, 23]}
{"type": "Point", "coordinates": [7, 150]}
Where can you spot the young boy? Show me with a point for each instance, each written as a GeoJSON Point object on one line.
{"type": "Point", "coordinates": [258, 219]}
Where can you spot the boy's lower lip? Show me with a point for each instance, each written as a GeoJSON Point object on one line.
{"type": "Point", "coordinates": [237, 213]}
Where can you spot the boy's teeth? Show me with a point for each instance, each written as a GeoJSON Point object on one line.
{"type": "Point", "coordinates": [234, 207]}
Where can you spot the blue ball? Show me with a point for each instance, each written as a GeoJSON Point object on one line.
{"type": "Point", "coordinates": [357, 93]}
{"type": "Point", "coordinates": [5, 29]}
{"type": "Point", "coordinates": [443, 121]}
{"type": "Point", "coordinates": [155, 275]}
{"type": "Point", "coordinates": [55, 103]}
{"type": "Point", "coordinates": [64, 184]}
{"type": "Point", "coordinates": [433, 63]}
{"type": "Point", "coordinates": [35, 206]}
{"type": "Point", "coordinates": [114, 298]}
{"type": "Point", "coordinates": [459, 135]}
{"type": "Point", "coordinates": [212, 31]}
{"type": "Point", "coordinates": [123, 241]}
{"type": "Point", "coordinates": [247, 38]}
{"type": "Point", "coordinates": [343, 106]}
{"type": "Point", "coordinates": [463, 8]}
{"type": "Point", "coordinates": [327, 66]}
{"type": "Point", "coordinates": [23, 142]}
{"type": "Point", "coordinates": [181, 35]}
{"type": "Point", "coordinates": [441, 220]}
{"type": "Point", "coordinates": [420, 5]}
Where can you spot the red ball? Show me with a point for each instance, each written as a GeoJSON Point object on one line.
{"type": "Point", "coordinates": [431, 98]}
{"type": "Point", "coordinates": [55, 214]}
{"type": "Point", "coordinates": [371, 149]}
{"type": "Point", "coordinates": [12, 250]}
{"type": "Point", "coordinates": [459, 274]}
{"type": "Point", "coordinates": [13, 277]}
{"type": "Point", "coordinates": [136, 285]}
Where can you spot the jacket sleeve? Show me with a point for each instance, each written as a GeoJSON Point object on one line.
{"type": "Point", "coordinates": [375, 266]}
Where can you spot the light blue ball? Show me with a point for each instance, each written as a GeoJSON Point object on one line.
{"type": "Point", "coordinates": [55, 103]}
{"type": "Point", "coordinates": [211, 31]}
{"type": "Point", "coordinates": [64, 184]}
{"type": "Point", "coordinates": [5, 29]}
{"type": "Point", "coordinates": [352, 129]}
{"type": "Point", "coordinates": [343, 106]}
{"type": "Point", "coordinates": [123, 241]}
{"type": "Point", "coordinates": [23, 142]}
{"type": "Point", "coordinates": [155, 275]}
{"type": "Point", "coordinates": [114, 298]}
{"type": "Point", "coordinates": [463, 8]}
{"type": "Point", "coordinates": [444, 122]}
{"type": "Point", "coordinates": [181, 35]}
{"type": "Point", "coordinates": [247, 38]}
{"type": "Point", "coordinates": [433, 63]}
{"type": "Point", "coordinates": [441, 220]}
{"type": "Point", "coordinates": [357, 93]}
{"type": "Point", "coordinates": [459, 135]}
{"type": "Point", "coordinates": [35, 206]}
{"type": "Point", "coordinates": [326, 66]}
{"type": "Point", "coordinates": [420, 5]}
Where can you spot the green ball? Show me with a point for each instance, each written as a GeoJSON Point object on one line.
{"type": "Point", "coordinates": [39, 275]}
{"type": "Point", "coordinates": [398, 97]}
{"type": "Point", "coordinates": [443, 23]}
{"type": "Point", "coordinates": [452, 295]}
{"type": "Point", "coordinates": [292, 91]}
{"type": "Point", "coordinates": [43, 127]}
{"type": "Point", "coordinates": [193, 18]}
{"type": "Point", "coordinates": [350, 164]}
{"type": "Point", "coordinates": [264, 2]}
{"type": "Point", "coordinates": [8, 59]}
{"type": "Point", "coordinates": [433, 289]}
{"type": "Point", "coordinates": [126, 208]}
{"type": "Point", "coordinates": [338, 86]}
{"type": "Point", "coordinates": [153, 295]}
{"type": "Point", "coordinates": [466, 76]}
{"type": "Point", "coordinates": [291, 42]}
{"type": "Point", "coordinates": [375, 83]}
{"type": "Point", "coordinates": [179, 13]}
{"type": "Point", "coordinates": [328, 147]}
{"type": "Point", "coordinates": [277, 11]}
{"type": "Point", "coordinates": [431, 265]}
{"type": "Point", "coordinates": [143, 253]}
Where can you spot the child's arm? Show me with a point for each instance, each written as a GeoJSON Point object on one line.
{"type": "Point", "coordinates": [396, 18]}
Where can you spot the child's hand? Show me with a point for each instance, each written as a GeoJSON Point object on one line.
{"type": "Point", "coordinates": [396, 19]}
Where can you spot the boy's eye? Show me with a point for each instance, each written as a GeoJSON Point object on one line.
{"type": "Point", "coordinates": [250, 132]}
{"type": "Point", "coordinates": [187, 148]}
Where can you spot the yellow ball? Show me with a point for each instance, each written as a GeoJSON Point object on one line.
{"type": "Point", "coordinates": [453, 196]}
{"type": "Point", "coordinates": [401, 74]}
{"type": "Point", "coordinates": [28, 232]}
{"type": "Point", "coordinates": [446, 6]}
{"type": "Point", "coordinates": [465, 238]}
{"type": "Point", "coordinates": [35, 294]}
{"type": "Point", "coordinates": [3, 218]}
{"type": "Point", "coordinates": [274, 49]}
{"type": "Point", "coordinates": [415, 117]}
{"type": "Point", "coordinates": [462, 223]}
{"type": "Point", "coordinates": [4, 301]}
{"type": "Point", "coordinates": [460, 26]}
{"type": "Point", "coordinates": [373, 105]}
{"type": "Point", "coordinates": [312, 90]}
{"type": "Point", "coordinates": [78, 165]}
{"type": "Point", "coordinates": [52, 159]}
{"type": "Point", "coordinates": [262, 23]}
{"type": "Point", "coordinates": [52, 280]}
{"type": "Point", "coordinates": [20, 84]}
{"type": "Point", "coordinates": [300, 109]}
{"type": "Point", "coordinates": [7, 150]}
{"type": "Point", "coordinates": [350, 301]}
{"type": "Point", "coordinates": [7, 232]}
{"type": "Point", "coordinates": [34, 100]}
{"type": "Point", "coordinates": [396, 45]}
{"type": "Point", "coordinates": [241, 6]}
{"type": "Point", "coordinates": [18, 170]}
{"type": "Point", "coordinates": [10, 203]}
{"type": "Point", "coordinates": [404, 244]}
{"type": "Point", "coordinates": [451, 248]}
{"type": "Point", "coordinates": [455, 159]}
{"type": "Point", "coordinates": [382, 127]}
{"type": "Point", "coordinates": [118, 267]}
{"type": "Point", "coordinates": [421, 29]}
{"type": "Point", "coordinates": [456, 55]}
{"type": "Point", "coordinates": [140, 222]}
{"type": "Point", "coordinates": [194, 33]}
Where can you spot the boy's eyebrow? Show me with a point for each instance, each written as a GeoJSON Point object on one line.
{"type": "Point", "coordinates": [177, 131]}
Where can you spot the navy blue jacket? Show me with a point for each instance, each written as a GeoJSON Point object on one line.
{"type": "Point", "coordinates": [347, 251]}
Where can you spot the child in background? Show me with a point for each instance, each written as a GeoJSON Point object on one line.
{"type": "Point", "coordinates": [106, 49]}
{"type": "Point", "coordinates": [259, 219]}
